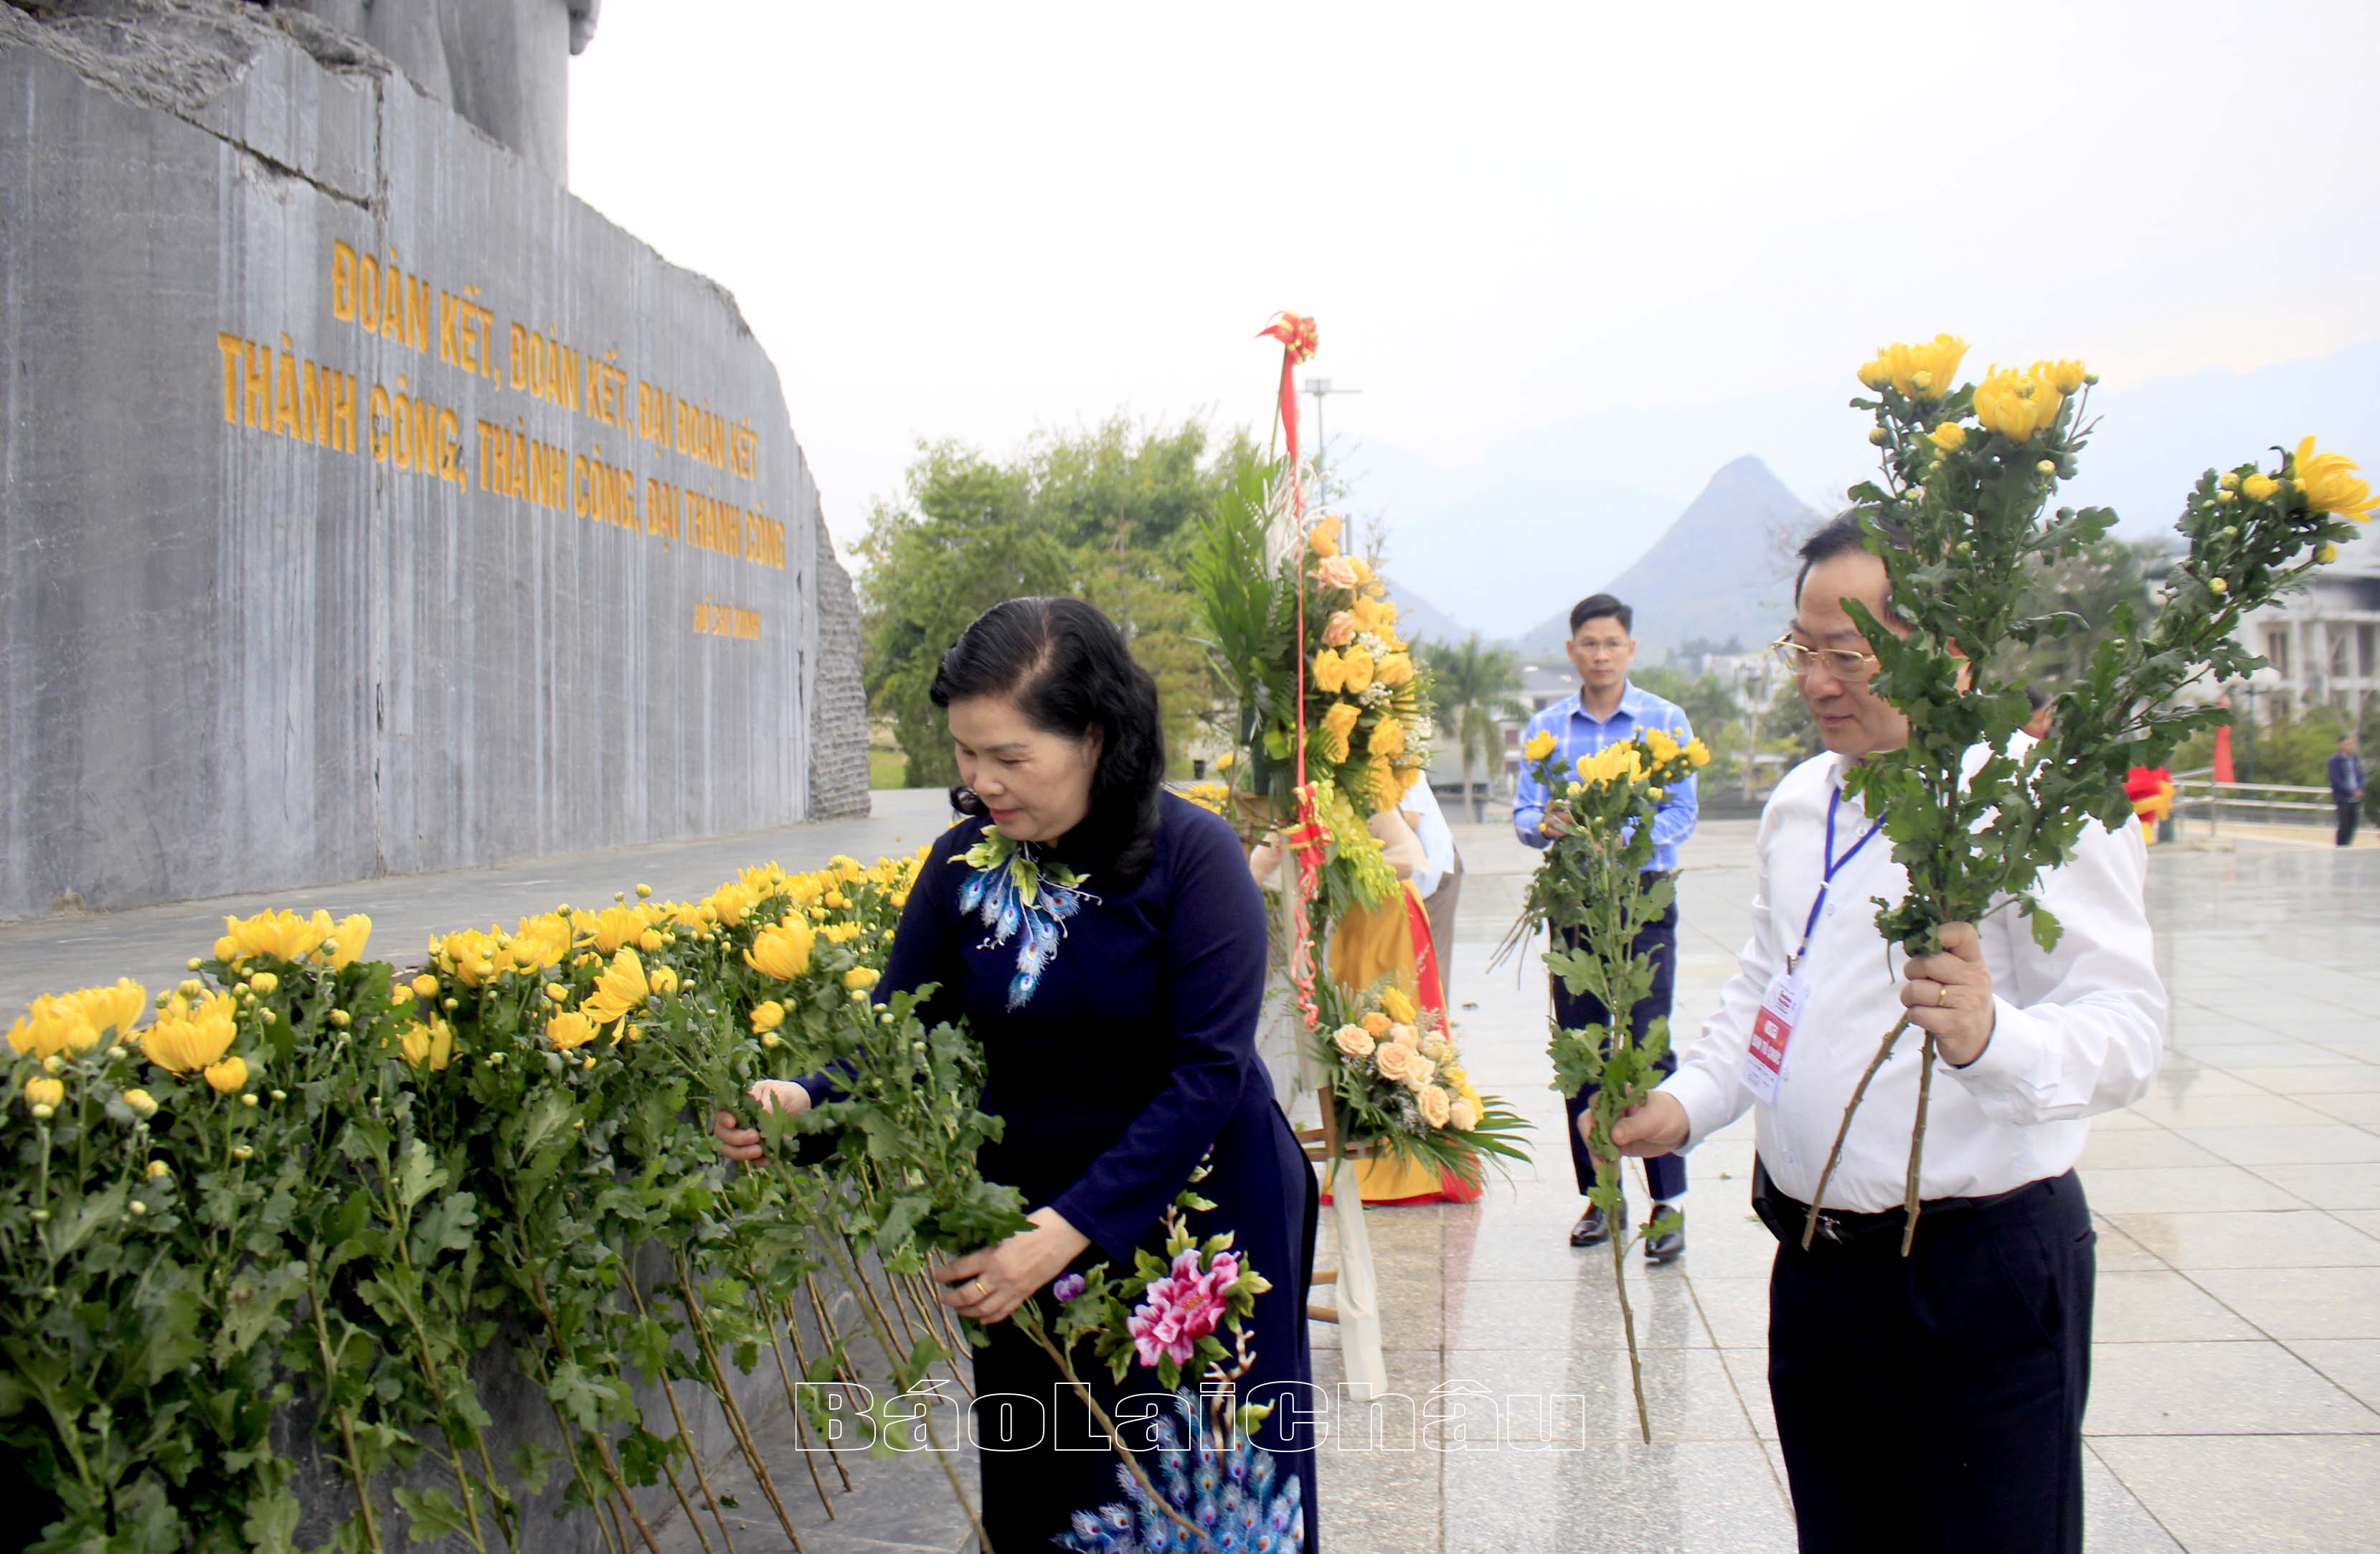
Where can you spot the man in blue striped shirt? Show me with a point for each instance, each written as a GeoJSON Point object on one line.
{"type": "Point", "coordinates": [1607, 710]}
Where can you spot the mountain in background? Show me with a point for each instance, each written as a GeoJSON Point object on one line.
{"type": "Point", "coordinates": [1723, 569]}
{"type": "Point", "coordinates": [1528, 526]}
{"type": "Point", "coordinates": [1420, 621]}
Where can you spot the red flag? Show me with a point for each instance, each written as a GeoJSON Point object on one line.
{"type": "Point", "coordinates": [2223, 755]}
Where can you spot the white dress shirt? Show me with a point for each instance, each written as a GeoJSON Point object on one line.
{"type": "Point", "coordinates": [2078, 1029]}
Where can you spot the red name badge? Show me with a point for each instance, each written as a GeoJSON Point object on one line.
{"type": "Point", "coordinates": [1772, 1029]}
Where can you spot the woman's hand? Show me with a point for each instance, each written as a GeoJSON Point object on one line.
{"type": "Point", "coordinates": [988, 1285]}
{"type": "Point", "coordinates": [740, 1143]}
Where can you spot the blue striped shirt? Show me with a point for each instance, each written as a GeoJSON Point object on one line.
{"type": "Point", "coordinates": [1577, 734]}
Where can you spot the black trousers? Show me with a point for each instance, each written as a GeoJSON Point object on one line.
{"type": "Point", "coordinates": [1665, 1175]}
{"type": "Point", "coordinates": [1935, 1401]}
{"type": "Point", "coordinates": [2351, 815]}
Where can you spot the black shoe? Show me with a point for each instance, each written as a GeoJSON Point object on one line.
{"type": "Point", "coordinates": [1593, 1229]}
{"type": "Point", "coordinates": [1669, 1244]}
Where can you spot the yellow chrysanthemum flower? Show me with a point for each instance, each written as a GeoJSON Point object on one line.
{"type": "Point", "coordinates": [1541, 745]}
{"type": "Point", "coordinates": [619, 991]}
{"type": "Point", "coordinates": [189, 1037]}
{"type": "Point", "coordinates": [1920, 371]}
{"type": "Point", "coordinates": [2017, 405]}
{"type": "Point", "coordinates": [2260, 487]}
{"type": "Point", "coordinates": [1950, 436]}
{"type": "Point", "coordinates": [56, 1023]}
{"type": "Point", "coordinates": [570, 1031]}
{"type": "Point", "coordinates": [430, 1046]}
{"type": "Point", "coordinates": [2332, 483]}
{"type": "Point", "coordinates": [768, 1015]}
{"type": "Point", "coordinates": [229, 1076]}
{"type": "Point", "coordinates": [782, 952]}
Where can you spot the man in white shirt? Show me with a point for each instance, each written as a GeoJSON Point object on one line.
{"type": "Point", "coordinates": [1933, 1403]}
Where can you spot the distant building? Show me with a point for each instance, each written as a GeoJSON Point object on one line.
{"type": "Point", "coordinates": [2323, 642]}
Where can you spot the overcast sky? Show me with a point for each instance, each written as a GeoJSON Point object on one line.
{"type": "Point", "coordinates": [972, 221]}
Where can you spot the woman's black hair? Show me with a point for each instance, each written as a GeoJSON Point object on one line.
{"type": "Point", "coordinates": [1066, 668]}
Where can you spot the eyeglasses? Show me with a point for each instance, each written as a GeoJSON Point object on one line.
{"type": "Point", "coordinates": [1844, 664]}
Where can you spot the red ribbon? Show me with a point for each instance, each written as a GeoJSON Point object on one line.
{"type": "Point", "coordinates": [1307, 838]}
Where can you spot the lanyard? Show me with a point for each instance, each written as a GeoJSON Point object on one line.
{"type": "Point", "coordinates": [1834, 865]}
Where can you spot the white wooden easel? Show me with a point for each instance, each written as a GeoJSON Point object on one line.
{"type": "Point", "coordinates": [1354, 1308]}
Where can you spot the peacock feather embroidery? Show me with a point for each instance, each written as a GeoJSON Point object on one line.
{"type": "Point", "coordinates": [1017, 895]}
{"type": "Point", "coordinates": [1234, 1493]}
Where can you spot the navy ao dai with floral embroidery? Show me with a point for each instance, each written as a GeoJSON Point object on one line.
{"type": "Point", "coordinates": [1117, 1021]}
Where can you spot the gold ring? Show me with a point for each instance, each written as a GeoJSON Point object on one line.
{"type": "Point", "coordinates": [984, 1287]}
{"type": "Point", "coordinates": [1941, 996]}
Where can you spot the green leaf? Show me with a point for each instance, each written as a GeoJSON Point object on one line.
{"type": "Point", "coordinates": [431, 1514]}
{"type": "Point", "coordinates": [2046, 928]}
{"type": "Point", "coordinates": [417, 1174]}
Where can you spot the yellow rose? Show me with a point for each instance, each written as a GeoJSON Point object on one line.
{"type": "Point", "coordinates": [782, 952]}
{"type": "Point", "coordinates": [1359, 671]}
{"type": "Point", "coordinates": [1399, 1006]}
{"type": "Point", "coordinates": [570, 1031]}
{"type": "Point", "coordinates": [1337, 724]}
{"type": "Point", "coordinates": [2259, 487]}
{"type": "Point", "coordinates": [229, 1076]}
{"type": "Point", "coordinates": [1541, 745]}
{"type": "Point", "coordinates": [2017, 405]}
{"type": "Point", "coordinates": [1330, 671]}
{"type": "Point", "coordinates": [1388, 738]}
{"type": "Point", "coordinates": [1395, 670]}
{"type": "Point", "coordinates": [1461, 1116]}
{"type": "Point", "coordinates": [1948, 437]}
{"type": "Point", "coordinates": [1395, 1063]}
{"type": "Point", "coordinates": [1376, 1022]}
{"type": "Point", "coordinates": [2332, 483]}
{"type": "Point", "coordinates": [45, 1092]}
{"type": "Point", "coordinates": [767, 1016]}
{"type": "Point", "coordinates": [1437, 1108]}
{"type": "Point", "coordinates": [861, 976]}
{"type": "Point", "coordinates": [1353, 1040]}
{"type": "Point", "coordinates": [1323, 537]}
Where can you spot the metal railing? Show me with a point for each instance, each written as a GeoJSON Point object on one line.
{"type": "Point", "coordinates": [2197, 792]}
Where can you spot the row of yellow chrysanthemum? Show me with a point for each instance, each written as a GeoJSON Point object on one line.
{"type": "Point", "coordinates": [195, 1027]}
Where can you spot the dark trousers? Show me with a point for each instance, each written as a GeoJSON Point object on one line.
{"type": "Point", "coordinates": [2351, 815]}
{"type": "Point", "coordinates": [1665, 1173]}
{"type": "Point", "coordinates": [1935, 1402]}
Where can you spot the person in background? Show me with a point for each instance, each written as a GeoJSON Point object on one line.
{"type": "Point", "coordinates": [1933, 1401]}
{"type": "Point", "coordinates": [1607, 710]}
{"type": "Point", "coordinates": [2347, 787]}
{"type": "Point", "coordinates": [2045, 712]}
{"type": "Point", "coordinates": [1439, 882]}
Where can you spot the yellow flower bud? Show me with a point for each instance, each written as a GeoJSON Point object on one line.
{"type": "Point", "coordinates": [226, 948]}
{"type": "Point", "coordinates": [45, 1092]}
{"type": "Point", "coordinates": [2218, 585]}
{"type": "Point", "coordinates": [265, 982]}
{"type": "Point", "coordinates": [249, 1100]}
{"type": "Point", "coordinates": [861, 978]}
{"type": "Point", "coordinates": [2260, 487]}
{"type": "Point", "coordinates": [228, 1076]}
{"type": "Point", "coordinates": [341, 1018]}
{"type": "Point", "coordinates": [43, 1111]}
{"type": "Point", "coordinates": [160, 1172]}
{"type": "Point", "coordinates": [2328, 554]}
{"type": "Point", "coordinates": [136, 1207]}
{"type": "Point", "coordinates": [1948, 436]}
{"type": "Point", "coordinates": [643, 891]}
{"type": "Point", "coordinates": [2047, 466]}
{"type": "Point", "coordinates": [425, 986]}
{"type": "Point", "coordinates": [192, 964]}
{"type": "Point", "coordinates": [143, 1104]}
{"type": "Point", "coordinates": [2229, 480]}
{"type": "Point", "coordinates": [771, 1039]}
{"type": "Point", "coordinates": [768, 1015]}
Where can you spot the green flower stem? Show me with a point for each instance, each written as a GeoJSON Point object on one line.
{"type": "Point", "coordinates": [1619, 1244]}
{"type": "Point", "coordinates": [1835, 1155]}
{"type": "Point", "coordinates": [834, 1351]}
{"type": "Point", "coordinates": [831, 1238]}
{"type": "Point", "coordinates": [1035, 1330]}
{"type": "Point", "coordinates": [318, 1299]}
{"type": "Point", "coordinates": [604, 1458]}
{"type": "Point", "coordinates": [702, 1478]}
{"type": "Point", "coordinates": [401, 1223]}
{"type": "Point", "coordinates": [801, 1420]}
{"type": "Point", "coordinates": [727, 1403]}
{"type": "Point", "coordinates": [1917, 1142]}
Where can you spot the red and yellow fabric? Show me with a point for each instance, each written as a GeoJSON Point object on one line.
{"type": "Point", "coordinates": [1392, 944]}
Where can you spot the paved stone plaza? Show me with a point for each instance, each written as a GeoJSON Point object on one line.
{"type": "Point", "coordinates": [2236, 1395]}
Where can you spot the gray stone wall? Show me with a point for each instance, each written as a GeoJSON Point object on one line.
{"type": "Point", "coordinates": [839, 701]}
{"type": "Point", "coordinates": [367, 502]}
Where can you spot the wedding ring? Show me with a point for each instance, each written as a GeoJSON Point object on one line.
{"type": "Point", "coordinates": [1941, 996]}
{"type": "Point", "coordinates": [982, 1286]}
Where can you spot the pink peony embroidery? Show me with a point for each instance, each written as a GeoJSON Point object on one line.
{"type": "Point", "coordinates": [1182, 1308]}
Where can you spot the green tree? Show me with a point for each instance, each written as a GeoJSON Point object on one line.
{"type": "Point", "coordinates": [1474, 688]}
{"type": "Point", "coordinates": [1100, 513]}
{"type": "Point", "coordinates": [2085, 588]}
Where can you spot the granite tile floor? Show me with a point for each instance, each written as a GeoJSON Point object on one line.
{"type": "Point", "coordinates": [2236, 1403]}
{"type": "Point", "coordinates": [2236, 1394]}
